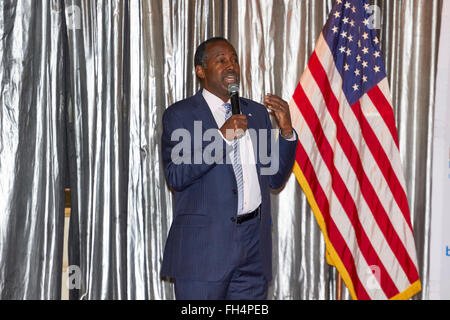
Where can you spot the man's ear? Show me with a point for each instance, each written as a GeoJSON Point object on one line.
{"type": "Point", "coordinates": [200, 71]}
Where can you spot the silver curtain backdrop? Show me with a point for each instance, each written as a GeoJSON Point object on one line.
{"type": "Point", "coordinates": [83, 88]}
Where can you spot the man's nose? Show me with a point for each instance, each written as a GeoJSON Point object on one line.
{"type": "Point", "coordinates": [229, 65]}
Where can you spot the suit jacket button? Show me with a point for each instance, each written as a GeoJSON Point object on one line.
{"type": "Point", "coordinates": [234, 191]}
{"type": "Point", "coordinates": [233, 219]}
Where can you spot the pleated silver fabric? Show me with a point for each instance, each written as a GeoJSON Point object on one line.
{"type": "Point", "coordinates": [98, 239]}
{"type": "Point", "coordinates": [32, 149]}
{"type": "Point", "coordinates": [106, 71]}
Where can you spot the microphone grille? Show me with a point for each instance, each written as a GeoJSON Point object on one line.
{"type": "Point", "coordinates": [233, 88]}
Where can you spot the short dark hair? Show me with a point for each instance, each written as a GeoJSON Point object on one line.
{"type": "Point", "coordinates": [200, 54]}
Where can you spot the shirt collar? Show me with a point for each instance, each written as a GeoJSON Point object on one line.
{"type": "Point", "coordinates": [213, 101]}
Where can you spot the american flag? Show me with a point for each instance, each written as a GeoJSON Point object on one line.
{"type": "Point", "coordinates": [348, 159]}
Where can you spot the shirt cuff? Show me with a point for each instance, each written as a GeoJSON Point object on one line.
{"type": "Point", "coordinates": [291, 139]}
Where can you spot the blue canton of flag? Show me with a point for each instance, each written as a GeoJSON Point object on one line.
{"type": "Point", "coordinates": [355, 46]}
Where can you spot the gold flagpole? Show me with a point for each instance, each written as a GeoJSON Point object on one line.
{"type": "Point", "coordinates": [339, 287]}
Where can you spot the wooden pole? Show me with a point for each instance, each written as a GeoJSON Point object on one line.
{"type": "Point", "coordinates": [339, 287]}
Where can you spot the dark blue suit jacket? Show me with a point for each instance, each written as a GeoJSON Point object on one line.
{"type": "Point", "coordinates": [205, 195]}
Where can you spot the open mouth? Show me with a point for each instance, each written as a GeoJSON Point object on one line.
{"type": "Point", "coordinates": [231, 78]}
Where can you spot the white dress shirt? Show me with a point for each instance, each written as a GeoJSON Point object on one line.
{"type": "Point", "coordinates": [251, 188]}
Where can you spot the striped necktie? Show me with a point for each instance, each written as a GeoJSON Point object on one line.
{"type": "Point", "coordinates": [237, 165]}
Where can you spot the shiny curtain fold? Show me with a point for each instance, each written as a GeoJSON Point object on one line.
{"type": "Point", "coordinates": [32, 149]}
{"type": "Point", "coordinates": [410, 42]}
{"type": "Point", "coordinates": [129, 61]}
{"type": "Point", "coordinates": [98, 144]}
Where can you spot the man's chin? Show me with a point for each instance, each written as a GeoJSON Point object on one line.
{"type": "Point", "coordinates": [227, 84]}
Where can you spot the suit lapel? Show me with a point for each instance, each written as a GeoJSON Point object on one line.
{"type": "Point", "coordinates": [202, 112]}
{"type": "Point", "coordinates": [252, 120]}
{"type": "Point", "coordinates": [246, 110]}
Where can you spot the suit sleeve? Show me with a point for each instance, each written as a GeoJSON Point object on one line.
{"type": "Point", "coordinates": [286, 157]}
{"type": "Point", "coordinates": [185, 166]}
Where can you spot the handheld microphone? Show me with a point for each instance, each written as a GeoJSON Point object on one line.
{"type": "Point", "coordinates": [233, 90]}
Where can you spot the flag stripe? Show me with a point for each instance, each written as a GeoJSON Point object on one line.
{"type": "Point", "coordinates": [342, 193]}
{"type": "Point", "coordinates": [382, 132]}
{"type": "Point", "coordinates": [383, 162]}
{"type": "Point", "coordinates": [385, 109]}
{"type": "Point", "coordinates": [325, 57]}
{"type": "Point", "coordinates": [405, 259]}
{"type": "Point", "coordinates": [350, 150]}
{"type": "Point", "coordinates": [397, 219]}
{"type": "Point", "coordinates": [333, 233]}
{"type": "Point", "coordinates": [397, 188]}
{"type": "Point", "coordinates": [378, 240]}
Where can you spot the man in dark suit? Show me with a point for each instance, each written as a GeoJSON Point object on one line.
{"type": "Point", "coordinates": [220, 245]}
